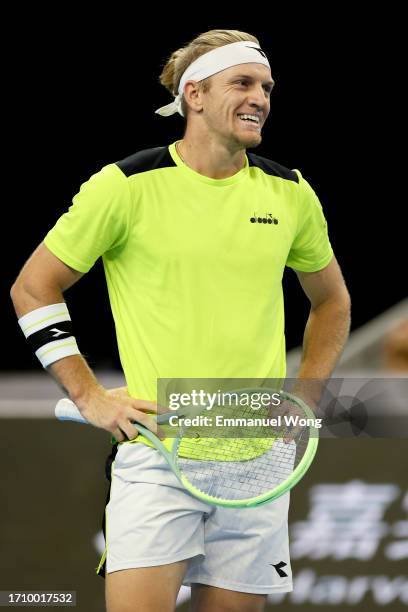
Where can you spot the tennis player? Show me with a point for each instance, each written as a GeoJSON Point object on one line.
{"type": "Point", "coordinates": [194, 237]}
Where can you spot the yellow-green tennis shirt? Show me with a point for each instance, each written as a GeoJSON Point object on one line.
{"type": "Point", "coordinates": [193, 264]}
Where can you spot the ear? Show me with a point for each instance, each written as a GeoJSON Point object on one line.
{"type": "Point", "coordinates": [193, 96]}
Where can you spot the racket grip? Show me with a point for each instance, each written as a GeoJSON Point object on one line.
{"type": "Point", "coordinates": [65, 410]}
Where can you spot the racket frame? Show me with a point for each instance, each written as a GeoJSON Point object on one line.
{"type": "Point", "coordinates": [170, 456]}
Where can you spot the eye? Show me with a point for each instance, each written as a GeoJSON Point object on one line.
{"type": "Point", "coordinates": [244, 82]}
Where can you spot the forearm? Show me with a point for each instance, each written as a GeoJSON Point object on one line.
{"type": "Point", "coordinates": [326, 333]}
{"type": "Point", "coordinates": [72, 373]}
{"type": "Point", "coordinates": [76, 378]}
{"type": "Point", "coordinates": [40, 285]}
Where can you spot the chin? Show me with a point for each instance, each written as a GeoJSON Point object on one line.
{"type": "Point", "coordinates": [245, 141]}
{"type": "Point", "coordinates": [251, 140]}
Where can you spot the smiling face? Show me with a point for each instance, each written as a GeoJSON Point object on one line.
{"type": "Point", "coordinates": [237, 104]}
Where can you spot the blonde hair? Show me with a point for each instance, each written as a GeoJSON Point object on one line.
{"type": "Point", "coordinates": [179, 60]}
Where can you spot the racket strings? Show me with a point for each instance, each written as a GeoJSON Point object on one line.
{"type": "Point", "coordinates": [239, 468]}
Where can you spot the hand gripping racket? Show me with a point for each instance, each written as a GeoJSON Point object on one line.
{"type": "Point", "coordinates": [253, 461]}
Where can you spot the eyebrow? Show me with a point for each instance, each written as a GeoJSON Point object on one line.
{"type": "Point", "coordinates": [250, 78]}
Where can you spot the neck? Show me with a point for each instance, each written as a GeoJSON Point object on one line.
{"type": "Point", "coordinates": [210, 158]}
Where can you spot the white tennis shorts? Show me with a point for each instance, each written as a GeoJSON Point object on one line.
{"type": "Point", "coordinates": [152, 520]}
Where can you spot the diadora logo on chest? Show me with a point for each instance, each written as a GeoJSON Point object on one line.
{"type": "Point", "coordinates": [268, 218]}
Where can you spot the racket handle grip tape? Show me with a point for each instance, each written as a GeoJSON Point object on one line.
{"type": "Point", "coordinates": [65, 410]}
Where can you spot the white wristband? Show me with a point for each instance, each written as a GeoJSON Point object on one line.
{"type": "Point", "coordinates": [49, 331]}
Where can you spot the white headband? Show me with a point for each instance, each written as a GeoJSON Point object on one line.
{"type": "Point", "coordinates": [242, 52]}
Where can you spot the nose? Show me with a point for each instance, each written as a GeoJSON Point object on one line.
{"type": "Point", "coordinates": [258, 97]}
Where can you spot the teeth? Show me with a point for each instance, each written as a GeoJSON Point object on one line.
{"type": "Point", "coordinates": [254, 118]}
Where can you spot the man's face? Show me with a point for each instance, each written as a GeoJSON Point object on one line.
{"type": "Point", "coordinates": [234, 94]}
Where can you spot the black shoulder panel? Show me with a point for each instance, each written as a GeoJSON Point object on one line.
{"type": "Point", "coordinates": [148, 159]}
{"type": "Point", "coordinates": [270, 167]}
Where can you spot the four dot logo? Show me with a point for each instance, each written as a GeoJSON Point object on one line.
{"type": "Point", "coordinates": [267, 219]}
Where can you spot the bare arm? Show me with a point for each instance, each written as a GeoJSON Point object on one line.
{"type": "Point", "coordinates": [42, 281]}
{"type": "Point", "coordinates": [328, 324]}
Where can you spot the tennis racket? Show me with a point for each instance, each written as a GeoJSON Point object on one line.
{"type": "Point", "coordinates": [254, 461]}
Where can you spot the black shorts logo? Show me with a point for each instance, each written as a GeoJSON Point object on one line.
{"type": "Point", "coordinates": [278, 567]}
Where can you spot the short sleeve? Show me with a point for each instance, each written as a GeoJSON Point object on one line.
{"type": "Point", "coordinates": [96, 222]}
{"type": "Point", "coordinates": [311, 249]}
